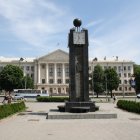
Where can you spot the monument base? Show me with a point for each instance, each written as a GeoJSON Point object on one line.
{"type": "Point", "coordinates": [90, 115]}
{"type": "Point", "coordinates": [78, 107]}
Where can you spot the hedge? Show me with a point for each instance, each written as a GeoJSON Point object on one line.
{"type": "Point", "coordinates": [9, 109]}
{"type": "Point", "coordinates": [130, 106]}
{"type": "Point", "coordinates": [52, 99]}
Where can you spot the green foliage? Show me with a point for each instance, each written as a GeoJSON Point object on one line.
{"type": "Point", "coordinates": [98, 79]}
{"type": "Point", "coordinates": [130, 106]}
{"type": "Point", "coordinates": [137, 77]}
{"type": "Point", "coordinates": [112, 79]}
{"type": "Point", "coordinates": [10, 77]}
{"type": "Point", "coordinates": [27, 82]}
{"type": "Point", "coordinates": [9, 109]}
{"type": "Point", "coordinates": [52, 99]}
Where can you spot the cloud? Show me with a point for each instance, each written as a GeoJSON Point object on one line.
{"type": "Point", "coordinates": [94, 23]}
{"type": "Point", "coordinates": [118, 36]}
{"type": "Point", "coordinates": [35, 22]}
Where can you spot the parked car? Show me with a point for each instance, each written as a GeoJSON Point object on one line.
{"type": "Point", "coordinates": [18, 97]}
{"type": "Point", "coordinates": [138, 95]}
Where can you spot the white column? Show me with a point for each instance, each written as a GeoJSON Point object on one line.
{"type": "Point", "coordinates": [63, 73]}
{"type": "Point", "coordinates": [47, 75]}
{"type": "Point", "coordinates": [65, 90]}
{"type": "Point", "coordinates": [39, 73]}
{"type": "Point", "coordinates": [55, 73]}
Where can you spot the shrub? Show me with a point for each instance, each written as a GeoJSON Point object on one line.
{"type": "Point", "coordinates": [9, 109]}
{"type": "Point", "coordinates": [52, 99]}
{"type": "Point", "coordinates": [130, 106]}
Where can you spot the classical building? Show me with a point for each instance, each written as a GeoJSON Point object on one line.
{"type": "Point", "coordinates": [51, 72]}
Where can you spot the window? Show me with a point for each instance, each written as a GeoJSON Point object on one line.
{"type": "Point", "coordinates": [67, 70]}
{"type": "Point", "coordinates": [119, 74]}
{"type": "Point", "coordinates": [125, 88]}
{"type": "Point", "coordinates": [115, 68]}
{"type": "Point", "coordinates": [59, 70]}
{"type": "Point", "coordinates": [51, 81]}
{"type": "Point", "coordinates": [27, 68]}
{"type": "Point", "coordinates": [124, 67]}
{"type": "Point", "coordinates": [43, 66]}
{"type": "Point", "coordinates": [51, 70]}
{"type": "Point", "coordinates": [125, 81]}
{"type": "Point", "coordinates": [51, 90]}
{"type": "Point", "coordinates": [120, 88]}
{"type": "Point", "coordinates": [125, 75]}
{"type": "Point", "coordinates": [59, 81]}
{"type": "Point", "coordinates": [120, 81]}
{"type": "Point", "coordinates": [32, 68]}
{"type": "Point", "coordinates": [32, 76]}
{"type": "Point", "coordinates": [119, 68]}
{"type": "Point", "coordinates": [129, 67]}
{"type": "Point", "coordinates": [129, 74]}
{"type": "Point", "coordinates": [43, 81]}
{"type": "Point", "coordinates": [129, 88]}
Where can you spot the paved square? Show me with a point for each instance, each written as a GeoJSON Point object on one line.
{"type": "Point", "coordinates": [32, 125]}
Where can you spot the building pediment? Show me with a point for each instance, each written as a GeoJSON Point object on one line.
{"type": "Point", "coordinates": [56, 56]}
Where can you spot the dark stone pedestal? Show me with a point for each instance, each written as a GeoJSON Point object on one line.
{"type": "Point", "coordinates": [78, 107]}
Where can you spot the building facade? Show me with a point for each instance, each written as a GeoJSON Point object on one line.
{"type": "Point", "coordinates": [51, 72]}
{"type": "Point", "coordinates": [124, 70]}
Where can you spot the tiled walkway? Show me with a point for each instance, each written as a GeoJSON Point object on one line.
{"type": "Point", "coordinates": [32, 125]}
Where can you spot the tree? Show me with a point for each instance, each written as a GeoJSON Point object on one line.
{"type": "Point", "coordinates": [27, 82]}
{"type": "Point", "coordinates": [112, 80]}
{"type": "Point", "coordinates": [10, 78]}
{"type": "Point", "coordinates": [137, 78]}
{"type": "Point", "coordinates": [98, 79]}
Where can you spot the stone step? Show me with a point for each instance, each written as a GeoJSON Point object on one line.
{"type": "Point", "coordinates": [89, 115]}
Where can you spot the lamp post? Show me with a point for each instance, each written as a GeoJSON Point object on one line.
{"type": "Point", "coordinates": [25, 82]}
{"type": "Point", "coordinates": [20, 60]}
{"type": "Point", "coordinates": [92, 78]}
{"type": "Point", "coordinates": [122, 69]}
{"type": "Point", "coordinates": [106, 85]}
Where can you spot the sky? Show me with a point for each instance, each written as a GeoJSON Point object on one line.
{"type": "Point", "coordinates": [33, 28]}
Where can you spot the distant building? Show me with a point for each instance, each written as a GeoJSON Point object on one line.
{"type": "Point", "coordinates": [124, 70]}
{"type": "Point", "coordinates": [51, 72]}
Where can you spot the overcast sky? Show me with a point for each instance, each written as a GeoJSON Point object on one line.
{"type": "Point", "coordinates": [32, 28]}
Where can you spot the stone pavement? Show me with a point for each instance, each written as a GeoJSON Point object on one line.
{"type": "Point", "coordinates": [32, 125]}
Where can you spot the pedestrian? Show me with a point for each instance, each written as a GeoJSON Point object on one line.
{"type": "Point", "coordinates": [114, 98]}
{"type": "Point", "coordinates": [9, 98]}
{"type": "Point", "coordinates": [5, 99]}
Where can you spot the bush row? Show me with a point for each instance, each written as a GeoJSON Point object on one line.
{"type": "Point", "coordinates": [52, 99]}
{"type": "Point", "coordinates": [130, 106]}
{"type": "Point", "coordinates": [9, 109]}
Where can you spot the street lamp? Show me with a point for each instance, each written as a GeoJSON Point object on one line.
{"type": "Point", "coordinates": [25, 83]}
{"type": "Point", "coordinates": [92, 78]}
{"type": "Point", "coordinates": [20, 60]}
{"type": "Point", "coordinates": [122, 77]}
{"type": "Point", "coordinates": [106, 85]}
